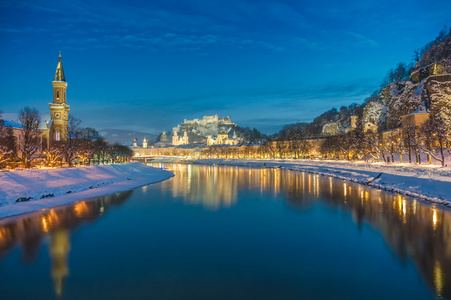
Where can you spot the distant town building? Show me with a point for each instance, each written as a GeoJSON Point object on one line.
{"type": "Point", "coordinates": [416, 118]}
{"type": "Point", "coordinates": [144, 143]}
{"type": "Point", "coordinates": [182, 140]}
{"type": "Point", "coordinates": [164, 137]}
{"type": "Point", "coordinates": [222, 139]}
{"type": "Point", "coordinates": [368, 125]}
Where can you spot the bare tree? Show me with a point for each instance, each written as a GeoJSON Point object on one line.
{"type": "Point", "coordinates": [435, 137]}
{"type": "Point", "coordinates": [54, 155]}
{"type": "Point", "coordinates": [86, 145]}
{"type": "Point", "coordinates": [8, 145]}
{"type": "Point", "coordinates": [120, 153]}
{"type": "Point", "coordinates": [357, 139]}
{"type": "Point", "coordinates": [411, 140]}
{"type": "Point", "coordinates": [375, 145]}
{"type": "Point", "coordinates": [69, 147]}
{"type": "Point", "coordinates": [30, 138]}
{"type": "Point", "coordinates": [331, 147]}
{"type": "Point", "coordinates": [393, 144]}
{"type": "Point", "coordinates": [100, 150]}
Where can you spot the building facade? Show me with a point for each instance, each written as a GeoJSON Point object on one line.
{"type": "Point", "coordinates": [180, 140]}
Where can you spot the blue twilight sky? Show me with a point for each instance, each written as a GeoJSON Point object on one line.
{"type": "Point", "coordinates": [147, 65]}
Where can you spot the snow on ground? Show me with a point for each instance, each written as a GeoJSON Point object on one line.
{"type": "Point", "coordinates": [51, 187]}
{"type": "Point", "coordinates": [431, 183]}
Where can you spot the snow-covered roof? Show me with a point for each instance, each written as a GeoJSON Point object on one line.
{"type": "Point", "coordinates": [13, 119]}
{"type": "Point", "coordinates": [420, 110]}
{"type": "Point", "coordinates": [12, 124]}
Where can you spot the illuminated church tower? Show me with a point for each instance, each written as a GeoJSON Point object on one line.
{"type": "Point", "coordinates": [59, 110]}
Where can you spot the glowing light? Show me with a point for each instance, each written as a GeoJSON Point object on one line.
{"type": "Point", "coordinates": [344, 189]}
{"type": "Point", "coordinates": [434, 219]}
{"type": "Point", "coordinates": [80, 208]}
{"type": "Point", "coordinates": [2, 235]}
{"type": "Point", "coordinates": [314, 185]}
{"type": "Point", "coordinates": [438, 278]}
{"type": "Point", "coordinates": [399, 204]}
{"type": "Point", "coordinates": [44, 224]}
{"type": "Point", "coordinates": [330, 185]}
{"type": "Point", "coordinates": [404, 211]}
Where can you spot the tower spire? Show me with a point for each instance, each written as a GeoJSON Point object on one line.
{"type": "Point", "coordinates": [59, 74]}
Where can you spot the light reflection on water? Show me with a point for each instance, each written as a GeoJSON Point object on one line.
{"type": "Point", "coordinates": [30, 230]}
{"type": "Point", "coordinates": [413, 230]}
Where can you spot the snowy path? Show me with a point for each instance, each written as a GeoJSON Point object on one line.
{"type": "Point", "coordinates": [426, 182]}
{"type": "Point", "coordinates": [51, 187]}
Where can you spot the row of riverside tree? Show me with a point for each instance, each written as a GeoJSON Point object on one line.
{"type": "Point", "coordinates": [433, 138]}
{"type": "Point", "coordinates": [83, 145]}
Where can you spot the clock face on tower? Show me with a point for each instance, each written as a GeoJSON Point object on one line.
{"type": "Point", "coordinates": [57, 115]}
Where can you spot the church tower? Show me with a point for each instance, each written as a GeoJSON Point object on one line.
{"type": "Point", "coordinates": [59, 110]}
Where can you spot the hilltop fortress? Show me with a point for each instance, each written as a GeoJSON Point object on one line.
{"type": "Point", "coordinates": [209, 129]}
{"type": "Point", "coordinates": [210, 120]}
{"type": "Point", "coordinates": [208, 125]}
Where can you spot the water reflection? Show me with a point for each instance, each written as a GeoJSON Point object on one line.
{"type": "Point", "coordinates": [29, 231]}
{"type": "Point", "coordinates": [414, 230]}
{"type": "Point", "coordinates": [59, 248]}
{"type": "Point", "coordinates": [410, 227]}
{"type": "Point", "coordinates": [213, 187]}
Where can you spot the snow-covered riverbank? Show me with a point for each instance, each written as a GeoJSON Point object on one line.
{"type": "Point", "coordinates": [30, 190]}
{"type": "Point", "coordinates": [431, 183]}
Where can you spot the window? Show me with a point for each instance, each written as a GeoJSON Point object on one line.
{"type": "Point", "coordinates": [57, 134]}
{"type": "Point", "coordinates": [57, 94]}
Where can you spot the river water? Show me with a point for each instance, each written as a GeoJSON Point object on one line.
{"type": "Point", "coordinates": [219, 232]}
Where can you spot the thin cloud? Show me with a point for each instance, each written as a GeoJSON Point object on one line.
{"type": "Point", "coordinates": [305, 43]}
{"type": "Point", "coordinates": [363, 40]}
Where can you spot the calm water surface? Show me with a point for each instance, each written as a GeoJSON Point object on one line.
{"type": "Point", "coordinates": [215, 232]}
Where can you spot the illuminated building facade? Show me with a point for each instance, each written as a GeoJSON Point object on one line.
{"type": "Point", "coordinates": [56, 127]}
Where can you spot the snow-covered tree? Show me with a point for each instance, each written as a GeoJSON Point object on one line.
{"type": "Point", "coordinates": [435, 137]}
{"type": "Point", "coordinates": [54, 155]}
{"type": "Point", "coordinates": [8, 147]}
{"type": "Point", "coordinates": [412, 140]}
{"type": "Point", "coordinates": [375, 145]}
{"type": "Point", "coordinates": [297, 135]}
{"type": "Point", "coordinates": [394, 144]}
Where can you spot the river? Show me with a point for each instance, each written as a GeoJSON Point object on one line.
{"type": "Point", "coordinates": [221, 232]}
